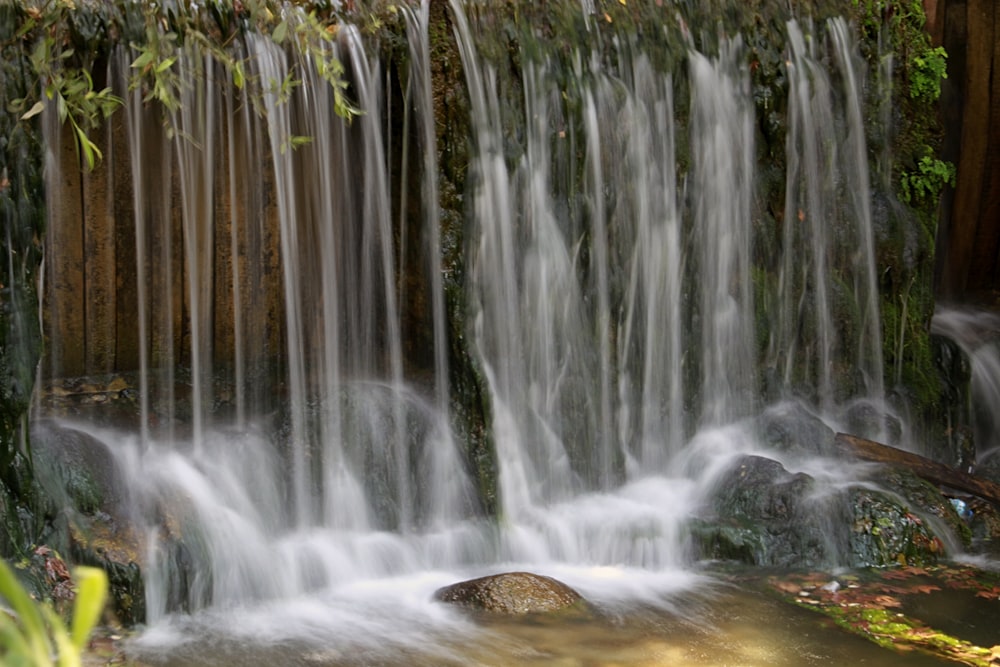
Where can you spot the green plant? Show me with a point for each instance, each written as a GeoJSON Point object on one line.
{"type": "Point", "coordinates": [69, 87]}
{"type": "Point", "coordinates": [926, 182]}
{"type": "Point", "coordinates": [33, 635]}
{"type": "Point", "coordinates": [155, 70]}
{"type": "Point", "coordinates": [926, 72]}
{"type": "Point", "coordinates": [64, 73]}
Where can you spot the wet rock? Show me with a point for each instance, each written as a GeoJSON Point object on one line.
{"type": "Point", "coordinates": [888, 533]}
{"type": "Point", "coordinates": [984, 523]}
{"type": "Point", "coordinates": [792, 427]}
{"type": "Point", "coordinates": [76, 468]}
{"type": "Point", "coordinates": [95, 525]}
{"type": "Point", "coordinates": [762, 514]}
{"type": "Point", "coordinates": [513, 593]}
{"type": "Point", "coordinates": [866, 419]}
{"type": "Point", "coordinates": [925, 499]}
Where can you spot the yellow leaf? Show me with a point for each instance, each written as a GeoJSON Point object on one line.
{"type": "Point", "coordinates": [33, 111]}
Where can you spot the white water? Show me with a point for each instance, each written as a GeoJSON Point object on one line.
{"type": "Point", "coordinates": [612, 318]}
{"type": "Point", "coordinates": [976, 334]}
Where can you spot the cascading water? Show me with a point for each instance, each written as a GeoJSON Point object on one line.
{"type": "Point", "coordinates": [829, 222]}
{"type": "Point", "coordinates": [610, 304]}
{"type": "Point", "coordinates": [975, 333]}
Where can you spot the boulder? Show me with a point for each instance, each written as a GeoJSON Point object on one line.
{"type": "Point", "coordinates": [792, 427]}
{"type": "Point", "coordinates": [94, 524]}
{"type": "Point", "coordinates": [762, 514]}
{"type": "Point", "coordinates": [885, 532]}
{"type": "Point", "coordinates": [513, 593]}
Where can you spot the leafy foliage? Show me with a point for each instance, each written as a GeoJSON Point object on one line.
{"type": "Point", "coordinates": [33, 634]}
{"type": "Point", "coordinates": [930, 177]}
{"type": "Point", "coordinates": [926, 71]}
{"type": "Point", "coordinates": [69, 87]}
{"type": "Point", "coordinates": [159, 35]}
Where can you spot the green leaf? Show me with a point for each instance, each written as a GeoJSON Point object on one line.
{"type": "Point", "coordinates": [91, 593]}
{"type": "Point", "coordinates": [280, 32]}
{"type": "Point", "coordinates": [26, 610]}
{"type": "Point", "coordinates": [38, 107]}
{"type": "Point", "coordinates": [41, 52]}
{"type": "Point", "coordinates": [26, 27]}
{"type": "Point", "coordinates": [238, 76]}
{"type": "Point", "coordinates": [69, 656]}
{"type": "Point", "coordinates": [88, 148]}
{"type": "Point", "coordinates": [16, 647]}
{"type": "Point", "coordinates": [146, 58]}
{"type": "Point", "coordinates": [165, 64]}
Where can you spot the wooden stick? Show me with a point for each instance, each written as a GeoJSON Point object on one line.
{"type": "Point", "coordinates": [932, 471]}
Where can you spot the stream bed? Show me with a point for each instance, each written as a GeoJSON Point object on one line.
{"type": "Point", "coordinates": [746, 619]}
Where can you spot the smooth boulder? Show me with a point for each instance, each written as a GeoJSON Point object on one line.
{"type": "Point", "coordinates": [512, 593]}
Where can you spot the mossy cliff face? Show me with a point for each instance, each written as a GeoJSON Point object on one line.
{"type": "Point", "coordinates": [22, 216]}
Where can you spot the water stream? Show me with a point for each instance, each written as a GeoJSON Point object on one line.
{"type": "Point", "coordinates": [609, 296]}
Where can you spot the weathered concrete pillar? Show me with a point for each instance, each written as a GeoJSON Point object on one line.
{"type": "Point", "coordinates": [64, 331]}
{"type": "Point", "coordinates": [970, 240]}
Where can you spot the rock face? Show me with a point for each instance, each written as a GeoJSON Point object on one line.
{"type": "Point", "coordinates": [512, 593]}
{"type": "Point", "coordinates": [95, 525]}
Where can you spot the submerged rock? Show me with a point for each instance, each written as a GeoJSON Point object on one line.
{"type": "Point", "coordinates": [512, 593]}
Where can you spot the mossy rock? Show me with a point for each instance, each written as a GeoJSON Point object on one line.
{"type": "Point", "coordinates": [887, 533]}
{"type": "Point", "coordinates": [762, 514]}
{"type": "Point", "coordinates": [76, 468]}
{"type": "Point", "coordinates": [513, 594]}
{"type": "Point", "coordinates": [926, 499]}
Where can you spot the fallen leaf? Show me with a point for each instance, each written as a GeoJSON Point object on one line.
{"type": "Point", "coordinates": [925, 588]}
{"type": "Point", "coordinates": [787, 587]}
{"type": "Point", "coordinates": [887, 601]}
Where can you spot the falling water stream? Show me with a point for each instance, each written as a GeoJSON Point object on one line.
{"type": "Point", "coordinates": [612, 316]}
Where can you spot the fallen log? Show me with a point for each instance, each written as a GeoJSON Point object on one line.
{"type": "Point", "coordinates": [932, 471]}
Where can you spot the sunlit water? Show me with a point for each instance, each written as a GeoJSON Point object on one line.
{"type": "Point", "coordinates": [392, 623]}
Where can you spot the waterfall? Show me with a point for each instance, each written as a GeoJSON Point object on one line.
{"type": "Point", "coordinates": [722, 145]}
{"type": "Point", "coordinates": [296, 442]}
{"type": "Point", "coordinates": [827, 232]}
{"type": "Point", "coordinates": [975, 334]}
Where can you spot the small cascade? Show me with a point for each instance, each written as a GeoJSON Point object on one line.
{"type": "Point", "coordinates": [976, 333]}
{"type": "Point", "coordinates": [722, 180]}
{"type": "Point", "coordinates": [828, 265]}
{"type": "Point", "coordinates": [864, 274]}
